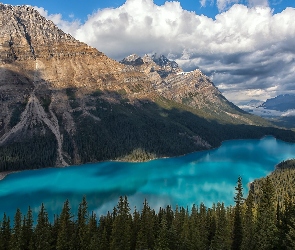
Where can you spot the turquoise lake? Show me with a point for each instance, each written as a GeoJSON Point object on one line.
{"type": "Point", "coordinates": [207, 176]}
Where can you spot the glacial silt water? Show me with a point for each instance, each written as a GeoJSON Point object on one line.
{"type": "Point", "coordinates": [207, 176]}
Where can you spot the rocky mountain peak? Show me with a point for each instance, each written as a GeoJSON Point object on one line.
{"type": "Point", "coordinates": [133, 60]}
{"type": "Point", "coordinates": [163, 61]}
{"type": "Point", "coordinates": [25, 34]}
{"type": "Point", "coordinates": [152, 63]}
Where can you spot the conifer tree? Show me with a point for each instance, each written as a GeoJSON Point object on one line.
{"type": "Point", "coordinates": [145, 238]}
{"type": "Point", "coordinates": [65, 234]}
{"type": "Point", "coordinates": [162, 240]}
{"type": "Point", "coordinates": [103, 241]}
{"type": "Point", "coordinates": [93, 233]}
{"type": "Point", "coordinates": [135, 228]}
{"type": "Point", "coordinates": [185, 236]}
{"type": "Point", "coordinates": [17, 235]}
{"type": "Point", "coordinates": [222, 239]}
{"type": "Point", "coordinates": [266, 230]}
{"type": "Point", "coordinates": [284, 224]}
{"type": "Point", "coordinates": [42, 234]}
{"type": "Point", "coordinates": [237, 227]}
{"type": "Point", "coordinates": [5, 233]}
{"type": "Point", "coordinates": [105, 229]}
{"type": "Point", "coordinates": [28, 231]}
{"type": "Point", "coordinates": [121, 231]}
{"type": "Point", "coordinates": [173, 238]}
{"type": "Point", "coordinates": [55, 230]}
{"type": "Point", "coordinates": [248, 224]}
{"type": "Point", "coordinates": [290, 237]}
{"type": "Point", "coordinates": [82, 232]}
{"type": "Point", "coordinates": [176, 229]}
{"type": "Point", "coordinates": [203, 227]}
{"type": "Point", "coordinates": [212, 223]}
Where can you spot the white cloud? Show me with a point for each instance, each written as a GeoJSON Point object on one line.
{"type": "Point", "coordinates": [224, 4]}
{"type": "Point", "coordinates": [243, 48]}
{"type": "Point", "coordinates": [203, 3]}
{"type": "Point", "coordinates": [290, 112]}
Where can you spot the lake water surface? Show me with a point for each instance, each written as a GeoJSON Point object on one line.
{"type": "Point", "coordinates": [207, 176]}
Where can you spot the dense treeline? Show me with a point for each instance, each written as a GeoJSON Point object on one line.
{"type": "Point", "coordinates": [283, 180]}
{"type": "Point", "coordinates": [40, 151]}
{"type": "Point", "coordinates": [126, 131]}
{"type": "Point", "coordinates": [149, 130]}
{"type": "Point", "coordinates": [247, 225]}
{"type": "Point", "coordinates": [288, 164]}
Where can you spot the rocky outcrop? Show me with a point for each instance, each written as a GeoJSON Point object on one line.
{"type": "Point", "coordinates": [189, 88]}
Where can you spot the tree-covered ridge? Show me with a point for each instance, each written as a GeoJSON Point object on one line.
{"type": "Point", "coordinates": [283, 179]}
{"type": "Point", "coordinates": [247, 225]}
{"type": "Point", "coordinates": [124, 131]}
{"type": "Point", "coordinates": [288, 164]}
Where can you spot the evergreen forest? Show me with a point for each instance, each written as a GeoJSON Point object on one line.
{"type": "Point", "coordinates": [128, 132]}
{"type": "Point", "coordinates": [264, 223]}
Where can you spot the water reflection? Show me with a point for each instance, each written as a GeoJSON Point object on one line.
{"type": "Point", "coordinates": [207, 176]}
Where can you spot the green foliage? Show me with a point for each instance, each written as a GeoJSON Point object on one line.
{"type": "Point", "coordinates": [121, 231]}
{"type": "Point", "coordinates": [288, 164]}
{"type": "Point", "coordinates": [42, 234]}
{"type": "Point", "coordinates": [248, 224]}
{"type": "Point", "coordinates": [34, 153]}
{"type": "Point", "coordinates": [66, 231]}
{"type": "Point", "coordinates": [81, 227]}
{"type": "Point", "coordinates": [5, 233]}
{"type": "Point", "coordinates": [27, 230]}
{"type": "Point", "coordinates": [237, 227]}
{"type": "Point", "coordinates": [17, 242]}
{"type": "Point", "coordinates": [266, 234]}
{"type": "Point", "coordinates": [283, 180]}
{"type": "Point", "coordinates": [149, 130]}
{"type": "Point", "coordinates": [136, 130]}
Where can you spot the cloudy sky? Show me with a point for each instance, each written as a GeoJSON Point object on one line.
{"type": "Point", "coordinates": [247, 47]}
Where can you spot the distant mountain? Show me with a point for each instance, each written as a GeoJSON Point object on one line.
{"type": "Point", "coordinates": [280, 103]}
{"type": "Point", "coordinates": [193, 89]}
{"type": "Point", "coordinates": [279, 110]}
{"type": "Point", "coordinates": [251, 103]}
{"type": "Point", "coordinates": [64, 102]}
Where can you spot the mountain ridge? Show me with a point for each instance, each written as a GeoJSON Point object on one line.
{"type": "Point", "coordinates": [70, 104]}
{"type": "Point", "coordinates": [280, 103]}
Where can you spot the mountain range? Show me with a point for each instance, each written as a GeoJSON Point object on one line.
{"type": "Point", "coordinates": [64, 102]}
{"type": "Point", "coordinates": [280, 110]}
{"type": "Point", "coordinates": [280, 103]}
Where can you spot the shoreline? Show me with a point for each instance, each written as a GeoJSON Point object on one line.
{"type": "Point", "coordinates": [4, 174]}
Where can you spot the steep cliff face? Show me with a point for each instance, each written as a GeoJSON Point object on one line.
{"type": "Point", "coordinates": [63, 102]}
